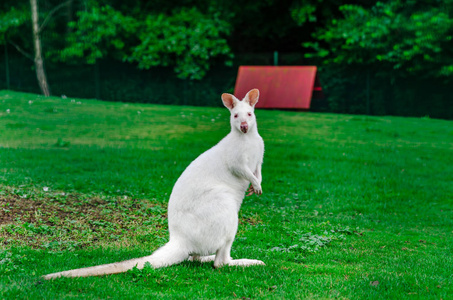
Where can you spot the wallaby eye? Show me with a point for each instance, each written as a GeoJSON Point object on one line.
{"type": "Point", "coordinates": [236, 115]}
{"type": "Point", "coordinates": [250, 114]}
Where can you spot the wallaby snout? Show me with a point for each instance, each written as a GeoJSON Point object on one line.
{"type": "Point", "coordinates": [244, 127]}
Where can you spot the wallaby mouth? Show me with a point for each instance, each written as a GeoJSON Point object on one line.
{"type": "Point", "coordinates": [244, 127]}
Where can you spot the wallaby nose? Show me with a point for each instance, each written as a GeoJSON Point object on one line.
{"type": "Point", "coordinates": [244, 127]}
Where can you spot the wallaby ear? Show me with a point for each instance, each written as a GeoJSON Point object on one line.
{"type": "Point", "coordinates": [252, 97]}
{"type": "Point", "coordinates": [228, 100]}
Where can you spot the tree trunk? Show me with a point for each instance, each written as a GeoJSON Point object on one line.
{"type": "Point", "coordinates": [39, 62]}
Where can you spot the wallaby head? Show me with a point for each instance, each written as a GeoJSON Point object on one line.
{"type": "Point", "coordinates": [242, 111]}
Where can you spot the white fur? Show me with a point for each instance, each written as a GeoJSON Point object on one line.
{"type": "Point", "coordinates": [205, 201]}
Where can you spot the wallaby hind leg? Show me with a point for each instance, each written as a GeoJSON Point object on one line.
{"type": "Point", "coordinates": [223, 258]}
{"type": "Point", "coordinates": [169, 254]}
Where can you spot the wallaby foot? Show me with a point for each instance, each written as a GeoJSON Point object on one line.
{"type": "Point", "coordinates": [246, 262]}
{"type": "Point", "coordinates": [241, 263]}
{"type": "Point", "coordinates": [201, 258]}
{"type": "Point", "coordinates": [223, 258]}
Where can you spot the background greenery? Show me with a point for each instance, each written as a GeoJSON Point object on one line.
{"type": "Point", "coordinates": [376, 57]}
{"type": "Point", "coordinates": [353, 206]}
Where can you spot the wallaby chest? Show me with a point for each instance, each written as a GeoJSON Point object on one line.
{"type": "Point", "coordinates": [246, 151]}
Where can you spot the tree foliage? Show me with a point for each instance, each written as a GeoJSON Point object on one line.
{"type": "Point", "coordinates": [407, 37]}
{"type": "Point", "coordinates": [187, 39]}
{"type": "Point", "coordinates": [10, 21]}
{"type": "Point", "coordinates": [314, 11]}
{"type": "Point", "coordinates": [12, 28]}
{"type": "Point", "coordinates": [188, 35]}
{"type": "Point", "coordinates": [98, 32]}
{"type": "Point", "coordinates": [364, 50]}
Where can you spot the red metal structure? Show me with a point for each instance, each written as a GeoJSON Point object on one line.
{"type": "Point", "coordinates": [284, 87]}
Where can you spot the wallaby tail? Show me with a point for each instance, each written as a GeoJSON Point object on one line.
{"type": "Point", "coordinates": [169, 254]}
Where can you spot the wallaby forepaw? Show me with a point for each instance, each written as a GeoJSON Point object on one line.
{"type": "Point", "coordinates": [258, 190]}
{"type": "Point", "coordinates": [252, 190]}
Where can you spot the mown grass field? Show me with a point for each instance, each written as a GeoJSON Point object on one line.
{"type": "Point", "coordinates": [354, 207]}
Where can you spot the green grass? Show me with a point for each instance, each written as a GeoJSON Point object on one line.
{"type": "Point", "coordinates": [353, 206]}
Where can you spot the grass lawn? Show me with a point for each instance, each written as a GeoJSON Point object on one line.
{"type": "Point", "coordinates": [352, 207]}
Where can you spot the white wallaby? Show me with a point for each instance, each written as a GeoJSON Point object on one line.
{"type": "Point", "coordinates": [205, 201]}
